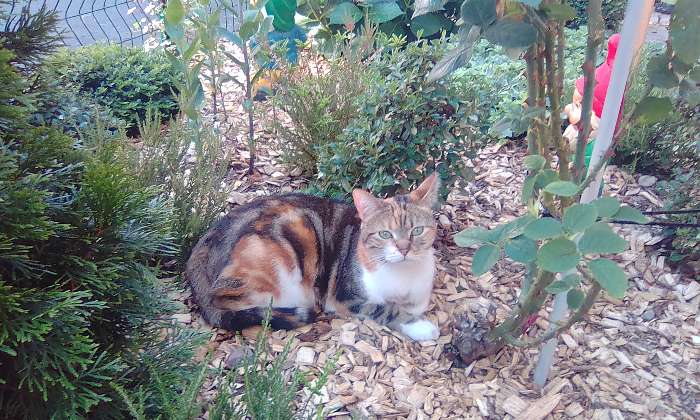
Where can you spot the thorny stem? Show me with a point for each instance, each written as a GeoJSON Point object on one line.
{"type": "Point", "coordinates": [249, 98]}
{"type": "Point", "coordinates": [591, 297]}
{"type": "Point", "coordinates": [554, 98]}
{"type": "Point", "coordinates": [595, 37]}
{"type": "Point", "coordinates": [531, 95]}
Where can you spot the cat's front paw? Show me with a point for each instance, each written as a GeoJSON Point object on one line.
{"type": "Point", "coordinates": [421, 330]}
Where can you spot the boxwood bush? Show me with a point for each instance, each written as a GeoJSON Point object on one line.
{"type": "Point", "coordinates": [126, 81]}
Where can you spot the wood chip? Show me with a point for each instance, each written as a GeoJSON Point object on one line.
{"type": "Point", "coordinates": [539, 409]}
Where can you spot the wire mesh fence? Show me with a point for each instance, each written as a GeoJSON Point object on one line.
{"type": "Point", "coordinates": [124, 22]}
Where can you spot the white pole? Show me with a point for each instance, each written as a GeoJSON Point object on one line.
{"type": "Point", "coordinates": [634, 28]}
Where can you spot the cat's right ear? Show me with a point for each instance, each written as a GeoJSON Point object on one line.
{"type": "Point", "coordinates": [365, 202]}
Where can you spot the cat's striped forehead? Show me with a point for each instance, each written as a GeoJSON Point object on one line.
{"type": "Point", "coordinates": [399, 213]}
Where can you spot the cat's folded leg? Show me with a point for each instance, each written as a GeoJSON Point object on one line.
{"type": "Point", "coordinates": [400, 318]}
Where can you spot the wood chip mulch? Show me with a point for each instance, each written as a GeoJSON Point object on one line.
{"type": "Point", "coordinates": [635, 358]}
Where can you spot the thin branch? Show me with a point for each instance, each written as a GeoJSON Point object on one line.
{"type": "Point", "coordinates": [667, 224]}
{"type": "Point", "coordinates": [591, 297]}
{"type": "Point", "coordinates": [532, 78]}
{"type": "Point", "coordinates": [595, 37]}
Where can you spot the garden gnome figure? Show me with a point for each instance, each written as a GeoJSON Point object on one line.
{"type": "Point", "coordinates": [573, 110]}
{"type": "Point", "coordinates": [284, 29]}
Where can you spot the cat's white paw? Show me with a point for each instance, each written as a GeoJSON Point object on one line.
{"type": "Point", "coordinates": [421, 330]}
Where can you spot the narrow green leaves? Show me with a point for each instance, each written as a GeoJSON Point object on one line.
{"type": "Point", "coordinates": [600, 239]}
{"type": "Point", "coordinates": [521, 249]}
{"type": "Point", "coordinates": [484, 258]}
{"type": "Point", "coordinates": [543, 228]}
{"type": "Point", "coordinates": [174, 12]}
{"type": "Point", "coordinates": [562, 188]}
{"type": "Point", "coordinates": [479, 12]}
{"type": "Point", "coordinates": [610, 277]}
{"type": "Point", "coordinates": [558, 255]}
{"type": "Point", "coordinates": [578, 217]}
{"type": "Point", "coordinates": [607, 206]}
{"type": "Point", "coordinates": [630, 214]}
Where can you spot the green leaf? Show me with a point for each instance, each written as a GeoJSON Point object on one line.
{"type": "Point", "coordinates": [579, 216]}
{"type": "Point", "coordinates": [430, 24]}
{"type": "Point", "coordinates": [456, 57]}
{"type": "Point", "coordinates": [560, 12]}
{"type": "Point", "coordinates": [570, 281]}
{"type": "Point", "coordinates": [479, 12]}
{"type": "Point", "coordinates": [345, 13]}
{"type": "Point", "coordinates": [685, 31]}
{"type": "Point", "coordinates": [575, 298]}
{"type": "Point", "coordinates": [660, 74]}
{"type": "Point", "coordinates": [384, 12]}
{"type": "Point", "coordinates": [250, 25]}
{"type": "Point", "coordinates": [545, 178]}
{"type": "Point", "coordinates": [610, 277]}
{"type": "Point", "coordinates": [600, 239]}
{"type": "Point", "coordinates": [283, 12]}
{"type": "Point", "coordinates": [510, 33]}
{"type": "Point", "coordinates": [423, 7]}
{"type": "Point", "coordinates": [174, 12]}
{"type": "Point", "coordinates": [472, 236]}
{"type": "Point", "coordinates": [607, 206]}
{"type": "Point", "coordinates": [230, 36]}
{"type": "Point", "coordinates": [521, 249]}
{"type": "Point", "coordinates": [562, 188]}
{"type": "Point", "coordinates": [534, 163]}
{"type": "Point", "coordinates": [630, 214]}
{"type": "Point", "coordinates": [558, 255]}
{"type": "Point", "coordinates": [543, 228]}
{"type": "Point", "coordinates": [484, 258]}
{"type": "Point", "coordinates": [514, 228]}
{"type": "Point", "coordinates": [528, 188]}
{"type": "Point", "coordinates": [651, 110]}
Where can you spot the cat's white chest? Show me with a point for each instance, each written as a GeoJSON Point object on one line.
{"type": "Point", "coordinates": [407, 282]}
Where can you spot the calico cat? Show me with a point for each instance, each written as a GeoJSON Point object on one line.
{"type": "Point", "coordinates": [307, 254]}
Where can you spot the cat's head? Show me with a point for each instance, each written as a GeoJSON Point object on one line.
{"type": "Point", "coordinates": [400, 228]}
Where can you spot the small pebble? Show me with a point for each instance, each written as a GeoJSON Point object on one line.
{"type": "Point", "coordinates": [648, 315]}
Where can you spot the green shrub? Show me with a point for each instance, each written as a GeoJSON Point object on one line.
{"type": "Point", "coordinates": [613, 12]}
{"type": "Point", "coordinates": [124, 80]}
{"type": "Point", "coordinates": [319, 103]}
{"type": "Point", "coordinates": [81, 303]}
{"type": "Point", "coordinates": [682, 191]}
{"type": "Point", "coordinates": [405, 128]}
{"type": "Point", "coordinates": [188, 166]}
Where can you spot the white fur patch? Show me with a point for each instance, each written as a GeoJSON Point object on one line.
{"type": "Point", "coordinates": [421, 330]}
{"type": "Point", "coordinates": [407, 282]}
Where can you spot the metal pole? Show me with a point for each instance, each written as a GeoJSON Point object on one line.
{"type": "Point", "coordinates": [634, 28]}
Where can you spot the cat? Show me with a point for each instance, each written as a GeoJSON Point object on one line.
{"type": "Point", "coordinates": [306, 254]}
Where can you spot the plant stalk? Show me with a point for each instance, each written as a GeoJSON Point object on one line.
{"type": "Point", "coordinates": [595, 37]}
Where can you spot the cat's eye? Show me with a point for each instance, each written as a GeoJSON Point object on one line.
{"type": "Point", "coordinates": [417, 231]}
{"type": "Point", "coordinates": [385, 234]}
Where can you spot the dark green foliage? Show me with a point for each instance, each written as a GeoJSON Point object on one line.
{"type": "Point", "coordinates": [406, 128]}
{"type": "Point", "coordinates": [29, 35]}
{"type": "Point", "coordinates": [81, 304]}
{"type": "Point", "coordinates": [124, 80]}
{"type": "Point", "coordinates": [682, 191]}
{"type": "Point", "coordinates": [13, 100]}
{"type": "Point", "coordinates": [613, 12]}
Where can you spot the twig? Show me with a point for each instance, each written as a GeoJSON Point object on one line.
{"type": "Point", "coordinates": [591, 297]}
{"type": "Point", "coordinates": [594, 38]}
{"type": "Point", "coordinates": [685, 211]}
{"type": "Point", "coordinates": [667, 224]}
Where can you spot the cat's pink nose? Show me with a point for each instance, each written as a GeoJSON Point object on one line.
{"type": "Point", "coordinates": [403, 246]}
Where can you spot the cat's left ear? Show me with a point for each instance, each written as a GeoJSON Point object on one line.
{"type": "Point", "coordinates": [365, 202]}
{"type": "Point", "coordinates": [426, 194]}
